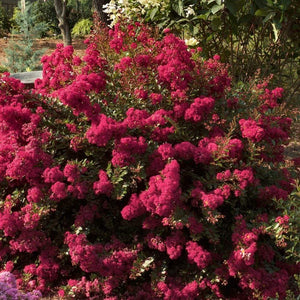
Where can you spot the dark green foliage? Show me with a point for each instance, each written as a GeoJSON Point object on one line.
{"type": "Point", "coordinates": [45, 12]}
{"type": "Point", "coordinates": [79, 9]}
{"type": "Point", "coordinates": [5, 23]}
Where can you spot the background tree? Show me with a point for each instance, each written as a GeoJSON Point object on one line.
{"type": "Point", "coordinates": [45, 11]}
{"type": "Point", "coordinates": [5, 24]}
{"type": "Point", "coordinates": [19, 52]}
{"type": "Point", "coordinates": [62, 15]}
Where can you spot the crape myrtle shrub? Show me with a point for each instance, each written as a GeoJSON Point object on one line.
{"type": "Point", "coordinates": [139, 172]}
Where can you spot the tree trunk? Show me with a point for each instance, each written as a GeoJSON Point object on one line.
{"type": "Point", "coordinates": [61, 13]}
{"type": "Point", "coordinates": [98, 7]}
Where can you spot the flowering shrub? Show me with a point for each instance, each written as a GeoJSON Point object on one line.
{"type": "Point", "coordinates": [139, 172]}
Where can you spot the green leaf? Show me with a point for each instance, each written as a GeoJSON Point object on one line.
{"type": "Point", "coordinates": [209, 38]}
{"type": "Point", "coordinates": [260, 3]}
{"type": "Point", "coordinates": [183, 20]}
{"type": "Point", "coordinates": [231, 6]}
{"type": "Point", "coordinates": [202, 17]}
{"type": "Point", "coordinates": [215, 24]}
{"type": "Point", "coordinates": [178, 8]}
{"type": "Point", "coordinates": [163, 24]}
{"type": "Point", "coordinates": [216, 8]}
{"type": "Point", "coordinates": [153, 13]}
{"type": "Point", "coordinates": [261, 12]}
{"type": "Point", "coordinates": [181, 8]}
{"type": "Point", "coordinates": [172, 22]}
{"type": "Point", "coordinates": [276, 226]}
{"type": "Point", "coordinates": [109, 169]}
{"type": "Point", "coordinates": [285, 4]}
{"type": "Point", "coordinates": [269, 16]}
{"type": "Point", "coordinates": [270, 3]}
{"type": "Point", "coordinates": [195, 30]}
{"type": "Point", "coordinates": [275, 31]}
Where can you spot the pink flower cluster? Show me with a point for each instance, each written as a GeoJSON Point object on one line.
{"type": "Point", "coordinates": [103, 186]}
{"type": "Point", "coordinates": [126, 149]}
{"type": "Point", "coordinates": [197, 255]}
{"type": "Point", "coordinates": [175, 63]}
{"type": "Point", "coordinates": [251, 130]}
{"type": "Point", "coordinates": [103, 129]}
{"type": "Point", "coordinates": [173, 244]}
{"type": "Point", "coordinates": [163, 193]}
{"type": "Point", "coordinates": [199, 109]}
{"type": "Point", "coordinates": [243, 259]}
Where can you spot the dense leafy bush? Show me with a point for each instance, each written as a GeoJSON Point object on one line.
{"type": "Point", "coordinates": [140, 172]}
{"type": "Point", "coordinates": [82, 28]}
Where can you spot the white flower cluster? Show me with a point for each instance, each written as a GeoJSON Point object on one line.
{"type": "Point", "coordinates": [189, 11]}
{"type": "Point", "coordinates": [148, 4]}
{"type": "Point", "coordinates": [130, 8]}
{"type": "Point", "coordinates": [191, 42]}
